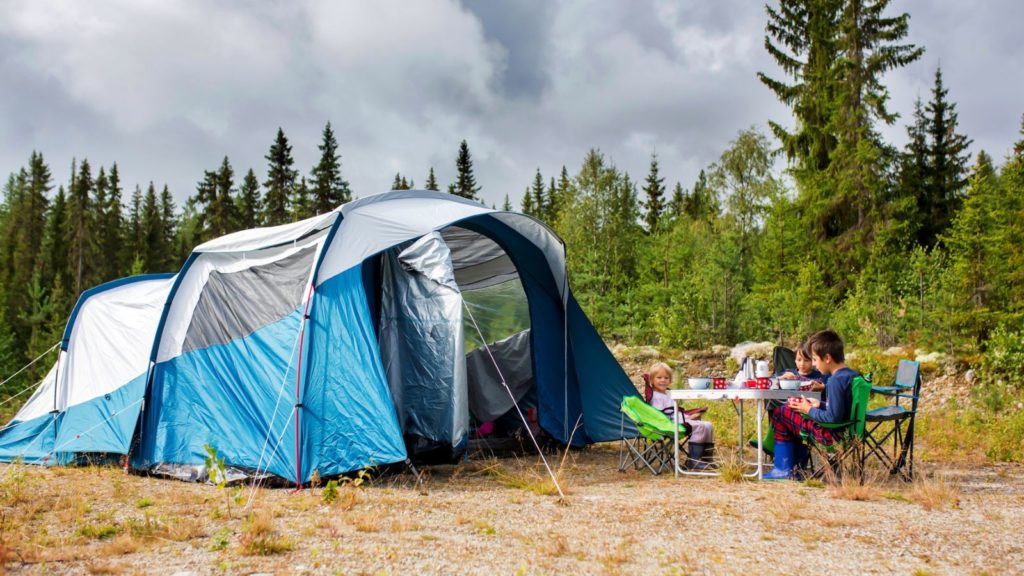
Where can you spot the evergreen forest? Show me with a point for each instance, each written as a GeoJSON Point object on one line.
{"type": "Point", "coordinates": [920, 245]}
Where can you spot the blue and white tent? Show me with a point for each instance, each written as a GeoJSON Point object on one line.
{"type": "Point", "coordinates": [328, 345]}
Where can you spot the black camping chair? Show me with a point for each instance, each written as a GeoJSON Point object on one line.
{"type": "Point", "coordinates": [907, 388]}
{"type": "Point", "coordinates": [783, 359]}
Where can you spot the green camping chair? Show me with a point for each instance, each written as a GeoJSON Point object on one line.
{"type": "Point", "coordinates": [830, 458]}
{"type": "Point", "coordinates": [652, 446]}
{"type": "Point", "coordinates": [907, 388]}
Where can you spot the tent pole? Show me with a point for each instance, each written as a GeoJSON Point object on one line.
{"type": "Point", "coordinates": [540, 452]}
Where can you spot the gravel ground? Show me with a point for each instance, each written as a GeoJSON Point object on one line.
{"type": "Point", "coordinates": [484, 518]}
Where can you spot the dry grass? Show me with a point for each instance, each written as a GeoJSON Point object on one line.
{"type": "Point", "coordinates": [261, 538]}
{"type": "Point", "coordinates": [850, 489]}
{"type": "Point", "coordinates": [465, 518]}
{"type": "Point", "coordinates": [935, 494]}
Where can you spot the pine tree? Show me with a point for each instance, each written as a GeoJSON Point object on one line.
{"type": "Point", "coordinates": [329, 190]}
{"type": "Point", "coordinates": [223, 218]}
{"type": "Point", "coordinates": [80, 228]}
{"type": "Point", "coordinates": [947, 166]}
{"type": "Point", "coordinates": [247, 204]}
{"type": "Point", "coordinates": [802, 38]}
{"type": "Point", "coordinates": [654, 196]}
{"type": "Point", "coordinates": [526, 204]}
{"type": "Point", "coordinates": [302, 202]}
{"type": "Point", "coordinates": [55, 247]}
{"type": "Point", "coordinates": [702, 203]}
{"type": "Point", "coordinates": [114, 219]}
{"type": "Point", "coordinates": [678, 202]}
{"type": "Point", "coordinates": [133, 245]}
{"type": "Point", "coordinates": [868, 47]}
{"type": "Point", "coordinates": [280, 181]}
{"type": "Point", "coordinates": [108, 234]}
{"type": "Point", "coordinates": [539, 202]}
{"type": "Point", "coordinates": [911, 199]}
{"type": "Point", "coordinates": [152, 254]}
{"type": "Point", "coordinates": [431, 181]}
{"type": "Point", "coordinates": [465, 182]}
{"type": "Point", "coordinates": [507, 205]}
{"type": "Point", "coordinates": [169, 227]}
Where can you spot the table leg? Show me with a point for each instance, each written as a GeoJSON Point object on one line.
{"type": "Point", "coordinates": [675, 442]}
{"type": "Point", "coordinates": [741, 430]}
{"type": "Point", "coordinates": [760, 440]}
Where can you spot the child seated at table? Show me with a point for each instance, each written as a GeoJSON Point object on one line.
{"type": "Point", "coordinates": [701, 445]}
{"type": "Point", "coordinates": [804, 415]}
{"type": "Point", "coordinates": [805, 370]}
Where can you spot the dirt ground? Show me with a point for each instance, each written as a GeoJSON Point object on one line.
{"type": "Point", "coordinates": [485, 517]}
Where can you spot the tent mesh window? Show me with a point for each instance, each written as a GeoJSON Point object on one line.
{"type": "Point", "coordinates": [236, 304]}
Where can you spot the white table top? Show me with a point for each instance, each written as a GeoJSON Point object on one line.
{"type": "Point", "coordinates": [738, 393]}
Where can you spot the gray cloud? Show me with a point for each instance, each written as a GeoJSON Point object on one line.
{"type": "Point", "coordinates": [167, 90]}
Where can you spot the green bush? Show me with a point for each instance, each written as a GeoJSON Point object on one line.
{"type": "Point", "coordinates": [1003, 362]}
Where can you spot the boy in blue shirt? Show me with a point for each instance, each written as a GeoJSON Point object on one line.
{"type": "Point", "coordinates": [802, 414]}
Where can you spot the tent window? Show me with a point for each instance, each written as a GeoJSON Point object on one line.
{"type": "Point", "coordinates": [236, 304]}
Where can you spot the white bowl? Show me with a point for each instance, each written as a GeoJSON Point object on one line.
{"type": "Point", "coordinates": [789, 384]}
{"type": "Point", "coordinates": [699, 383]}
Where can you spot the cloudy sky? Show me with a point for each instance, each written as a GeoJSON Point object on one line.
{"type": "Point", "coordinates": [167, 88]}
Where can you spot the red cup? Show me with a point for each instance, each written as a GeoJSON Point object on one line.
{"type": "Point", "coordinates": [764, 383]}
{"type": "Point", "coordinates": [718, 383]}
{"type": "Point", "coordinates": [751, 383]}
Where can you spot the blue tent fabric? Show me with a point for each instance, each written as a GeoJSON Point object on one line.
{"type": "Point", "coordinates": [30, 441]}
{"type": "Point", "coordinates": [233, 397]}
{"type": "Point", "coordinates": [103, 424]}
{"type": "Point", "coordinates": [350, 421]}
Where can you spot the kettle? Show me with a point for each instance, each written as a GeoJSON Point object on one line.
{"type": "Point", "coordinates": [762, 369]}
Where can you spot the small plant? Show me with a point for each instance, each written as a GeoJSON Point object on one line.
{"type": "Point", "coordinates": [330, 493]}
{"type": "Point", "coordinates": [144, 502]}
{"type": "Point", "coordinates": [218, 477]}
{"type": "Point", "coordinates": [221, 539]}
{"type": "Point", "coordinates": [99, 531]}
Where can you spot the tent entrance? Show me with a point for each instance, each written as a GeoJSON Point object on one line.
{"type": "Point", "coordinates": [455, 324]}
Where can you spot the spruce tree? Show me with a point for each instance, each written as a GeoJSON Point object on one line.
{"type": "Point", "coordinates": [114, 218]}
{"type": "Point", "coordinates": [108, 238]}
{"type": "Point", "coordinates": [133, 245]}
{"type": "Point", "coordinates": [465, 182]}
{"type": "Point", "coordinates": [526, 204]}
{"type": "Point", "coordinates": [302, 202]}
{"type": "Point", "coordinates": [911, 199]}
{"type": "Point", "coordinates": [677, 203]}
{"type": "Point", "coordinates": [947, 165]}
{"type": "Point", "coordinates": [152, 255]}
{"type": "Point", "coordinates": [431, 181]}
{"type": "Point", "coordinates": [539, 202]}
{"type": "Point", "coordinates": [169, 227]}
{"type": "Point", "coordinates": [329, 190]}
{"type": "Point", "coordinates": [802, 38]}
{"type": "Point", "coordinates": [280, 181]}
{"type": "Point", "coordinates": [223, 218]}
{"type": "Point", "coordinates": [79, 229]}
{"type": "Point", "coordinates": [247, 204]}
{"type": "Point", "coordinates": [507, 205]}
{"type": "Point", "coordinates": [55, 247]}
{"type": "Point", "coordinates": [654, 196]}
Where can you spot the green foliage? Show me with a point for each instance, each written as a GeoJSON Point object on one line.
{"type": "Point", "coordinates": [330, 493]}
{"type": "Point", "coordinates": [465, 182]}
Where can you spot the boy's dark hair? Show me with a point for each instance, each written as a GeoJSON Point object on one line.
{"type": "Point", "coordinates": [827, 342]}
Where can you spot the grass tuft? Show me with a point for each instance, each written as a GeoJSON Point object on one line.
{"type": "Point", "coordinates": [935, 494]}
{"type": "Point", "coordinates": [260, 538]}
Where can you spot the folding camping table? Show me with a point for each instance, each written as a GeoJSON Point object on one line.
{"type": "Point", "coordinates": [742, 395]}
